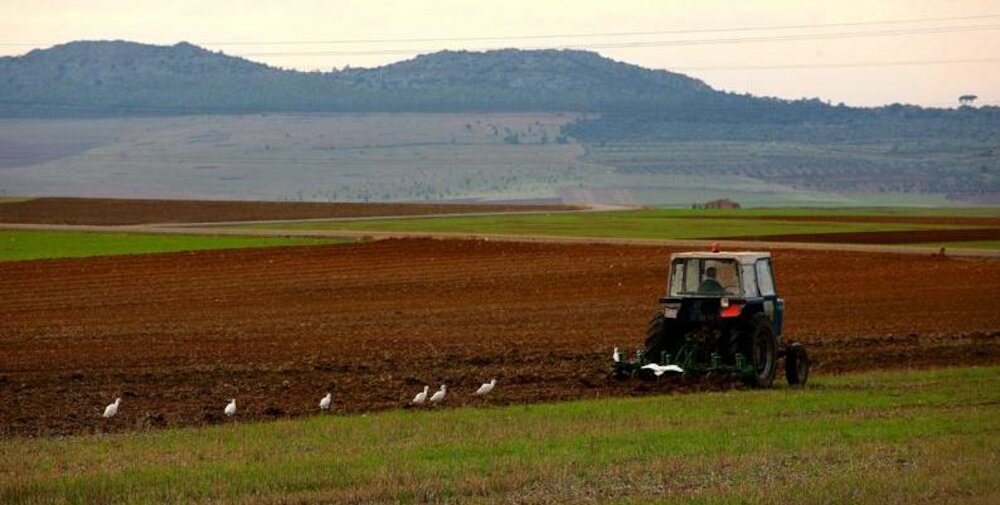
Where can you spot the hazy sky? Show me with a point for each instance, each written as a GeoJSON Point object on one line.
{"type": "Point", "coordinates": [929, 62]}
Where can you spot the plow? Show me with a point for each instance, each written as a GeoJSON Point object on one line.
{"type": "Point", "coordinates": [721, 316]}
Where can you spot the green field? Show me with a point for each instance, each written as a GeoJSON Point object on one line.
{"type": "Point", "coordinates": [657, 224]}
{"type": "Point", "coordinates": [28, 245]}
{"type": "Point", "coordinates": [887, 437]}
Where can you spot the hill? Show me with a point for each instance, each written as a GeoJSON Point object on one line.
{"type": "Point", "coordinates": [117, 77]}
{"type": "Point", "coordinates": [124, 78]}
{"type": "Point", "coordinates": [539, 79]}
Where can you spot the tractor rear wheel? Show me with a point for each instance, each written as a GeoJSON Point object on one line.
{"type": "Point", "coordinates": [660, 338]}
{"type": "Point", "coordinates": [763, 351]}
{"type": "Point", "coordinates": [796, 365]}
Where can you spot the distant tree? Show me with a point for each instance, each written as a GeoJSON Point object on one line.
{"type": "Point", "coordinates": [967, 99]}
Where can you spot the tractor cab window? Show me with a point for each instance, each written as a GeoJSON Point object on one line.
{"type": "Point", "coordinates": [749, 281]}
{"type": "Point", "coordinates": [704, 277]}
{"type": "Point", "coordinates": [764, 279]}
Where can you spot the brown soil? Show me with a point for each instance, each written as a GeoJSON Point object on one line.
{"type": "Point", "coordinates": [98, 211]}
{"type": "Point", "coordinates": [176, 335]}
{"type": "Point", "coordinates": [886, 237]}
{"type": "Point", "coordinates": [834, 218]}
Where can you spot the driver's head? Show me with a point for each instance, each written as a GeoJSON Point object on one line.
{"type": "Point", "coordinates": [710, 272]}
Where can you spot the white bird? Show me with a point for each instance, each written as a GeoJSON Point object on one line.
{"type": "Point", "coordinates": [617, 356]}
{"type": "Point", "coordinates": [486, 387]}
{"type": "Point", "coordinates": [421, 397]}
{"type": "Point", "coordinates": [324, 404]}
{"type": "Point", "coordinates": [659, 370]}
{"type": "Point", "coordinates": [440, 394]}
{"type": "Point", "coordinates": [112, 409]}
{"type": "Point", "coordinates": [231, 408]}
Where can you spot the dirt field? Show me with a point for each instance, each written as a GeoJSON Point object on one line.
{"type": "Point", "coordinates": [886, 237]}
{"type": "Point", "coordinates": [107, 211]}
{"type": "Point", "coordinates": [980, 221]}
{"type": "Point", "coordinates": [176, 335]}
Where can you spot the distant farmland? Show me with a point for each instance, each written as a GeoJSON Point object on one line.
{"type": "Point", "coordinates": [973, 227]}
{"type": "Point", "coordinates": [347, 157]}
{"type": "Point", "coordinates": [412, 157]}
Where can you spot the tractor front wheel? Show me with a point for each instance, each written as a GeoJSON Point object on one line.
{"type": "Point", "coordinates": [763, 351]}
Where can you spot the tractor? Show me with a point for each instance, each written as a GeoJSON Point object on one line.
{"type": "Point", "coordinates": [721, 315]}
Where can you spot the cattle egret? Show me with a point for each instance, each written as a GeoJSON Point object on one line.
{"type": "Point", "coordinates": [673, 368]}
{"type": "Point", "coordinates": [421, 397]}
{"type": "Point", "coordinates": [231, 408]}
{"type": "Point", "coordinates": [440, 394]}
{"type": "Point", "coordinates": [324, 404]}
{"type": "Point", "coordinates": [486, 387]}
{"type": "Point", "coordinates": [617, 356]}
{"type": "Point", "coordinates": [659, 370]}
{"type": "Point", "coordinates": [112, 409]}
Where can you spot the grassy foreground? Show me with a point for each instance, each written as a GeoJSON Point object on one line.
{"type": "Point", "coordinates": [28, 245]}
{"type": "Point", "coordinates": [892, 437]}
{"type": "Point", "coordinates": [654, 224]}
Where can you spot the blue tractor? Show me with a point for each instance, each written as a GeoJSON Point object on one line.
{"type": "Point", "coordinates": [721, 314]}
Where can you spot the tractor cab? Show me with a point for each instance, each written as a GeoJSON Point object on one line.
{"type": "Point", "coordinates": [736, 284]}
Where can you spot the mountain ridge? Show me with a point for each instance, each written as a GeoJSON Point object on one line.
{"type": "Point", "coordinates": [121, 77]}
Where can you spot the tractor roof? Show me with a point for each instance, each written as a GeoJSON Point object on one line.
{"type": "Point", "coordinates": [740, 257]}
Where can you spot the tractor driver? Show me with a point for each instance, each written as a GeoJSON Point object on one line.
{"type": "Point", "coordinates": [711, 286]}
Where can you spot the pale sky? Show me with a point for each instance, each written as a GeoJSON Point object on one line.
{"type": "Point", "coordinates": [929, 62]}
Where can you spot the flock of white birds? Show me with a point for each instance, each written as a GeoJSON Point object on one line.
{"type": "Point", "coordinates": [324, 404]}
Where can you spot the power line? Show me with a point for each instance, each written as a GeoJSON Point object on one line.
{"type": "Point", "coordinates": [841, 65]}
{"type": "Point", "coordinates": [663, 43]}
{"type": "Point", "coordinates": [580, 35]}
{"type": "Point", "coordinates": [605, 34]}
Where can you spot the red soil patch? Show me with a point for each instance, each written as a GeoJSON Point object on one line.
{"type": "Point", "coordinates": [178, 334]}
{"type": "Point", "coordinates": [101, 211]}
{"type": "Point", "coordinates": [885, 237]}
{"type": "Point", "coordinates": [942, 220]}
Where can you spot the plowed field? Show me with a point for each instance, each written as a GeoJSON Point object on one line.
{"type": "Point", "coordinates": [110, 211]}
{"type": "Point", "coordinates": [958, 220]}
{"type": "Point", "coordinates": [178, 334]}
{"type": "Point", "coordinates": [886, 237]}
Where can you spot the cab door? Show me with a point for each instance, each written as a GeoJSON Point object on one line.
{"type": "Point", "coordinates": [774, 307]}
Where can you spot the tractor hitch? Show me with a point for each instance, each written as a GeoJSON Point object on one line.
{"type": "Point", "coordinates": [687, 360]}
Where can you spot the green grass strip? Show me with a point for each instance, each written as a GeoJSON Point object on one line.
{"type": "Point", "coordinates": [899, 437]}
{"type": "Point", "coordinates": [653, 224]}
